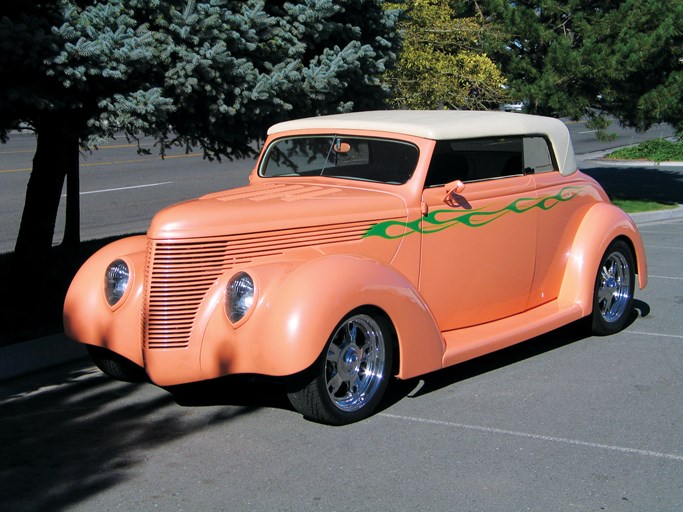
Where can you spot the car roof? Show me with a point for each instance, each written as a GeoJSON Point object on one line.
{"type": "Point", "coordinates": [446, 125]}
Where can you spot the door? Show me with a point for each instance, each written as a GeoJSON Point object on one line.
{"type": "Point", "coordinates": [479, 243]}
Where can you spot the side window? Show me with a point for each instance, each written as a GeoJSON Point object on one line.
{"type": "Point", "coordinates": [537, 155]}
{"type": "Point", "coordinates": [446, 165]}
{"type": "Point", "coordinates": [488, 158]}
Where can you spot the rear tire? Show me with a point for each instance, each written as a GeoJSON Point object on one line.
{"type": "Point", "coordinates": [116, 366]}
{"type": "Point", "coordinates": [348, 381]}
{"type": "Point", "coordinates": [614, 289]}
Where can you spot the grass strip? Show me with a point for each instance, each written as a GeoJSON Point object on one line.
{"type": "Point", "coordinates": [639, 205]}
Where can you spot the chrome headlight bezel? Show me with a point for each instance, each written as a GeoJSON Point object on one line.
{"type": "Point", "coordinates": [240, 297]}
{"type": "Point", "coordinates": [117, 280]}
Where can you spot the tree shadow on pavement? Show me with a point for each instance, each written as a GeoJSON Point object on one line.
{"type": "Point", "coordinates": [72, 432]}
{"type": "Point", "coordinates": [654, 184]}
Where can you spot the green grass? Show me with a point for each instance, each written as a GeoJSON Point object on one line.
{"type": "Point", "coordinates": [639, 205]}
{"type": "Point", "coordinates": [655, 150]}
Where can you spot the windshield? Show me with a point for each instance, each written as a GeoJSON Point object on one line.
{"type": "Point", "coordinates": [357, 158]}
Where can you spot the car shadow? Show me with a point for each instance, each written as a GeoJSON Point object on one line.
{"type": "Point", "coordinates": [254, 391]}
{"type": "Point", "coordinates": [564, 336]}
{"type": "Point", "coordinates": [239, 390]}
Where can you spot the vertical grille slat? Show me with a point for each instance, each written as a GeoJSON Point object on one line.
{"type": "Point", "coordinates": [179, 273]}
{"type": "Point", "coordinates": [178, 277]}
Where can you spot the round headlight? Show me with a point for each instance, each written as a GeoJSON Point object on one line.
{"type": "Point", "coordinates": [239, 296]}
{"type": "Point", "coordinates": [116, 280]}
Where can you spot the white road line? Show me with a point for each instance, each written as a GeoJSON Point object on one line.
{"type": "Point", "coordinates": [640, 333]}
{"type": "Point", "coordinates": [123, 188]}
{"type": "Point", "coordinates": [537, 437]}
{"type": "Point", "coordinates": [667, 277]}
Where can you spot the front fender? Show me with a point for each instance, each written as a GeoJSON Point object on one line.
{"type": "Point", "coordinates": [87, 316]}
{"type": "Point", "coordinates": [298, 307]}
{"type": "Point", "coordinates": [602, 224]}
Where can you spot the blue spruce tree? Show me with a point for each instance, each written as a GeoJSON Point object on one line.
{"type": "Point", "coordinates": [199, 73]}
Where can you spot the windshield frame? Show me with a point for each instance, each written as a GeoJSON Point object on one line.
{"type": "Point", "coordinates": [341, 146]}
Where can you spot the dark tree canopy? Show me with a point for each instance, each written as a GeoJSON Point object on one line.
{"type": "Point", "coordinates": [207, 73]}
{"type": "Point", "coordinates": [589, 58]}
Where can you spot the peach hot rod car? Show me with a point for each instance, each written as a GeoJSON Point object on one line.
{"type": "Point", "coordinates": [366, 246]}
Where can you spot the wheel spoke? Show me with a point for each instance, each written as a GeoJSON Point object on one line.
{"type": "Point", "coordinates": [605, 295]}
{"type": "Point", "coordinates": [334, 384]}
{"type": "Point", "coordinates": [352, 383]}
{"type": "Point", "coordinates": [604, 275]}
{"type": "Point", "coordinates": [333, 352]}
{"type": "Point", "coordinates": [351, 332]}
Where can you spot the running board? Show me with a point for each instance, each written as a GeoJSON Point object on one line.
{"type": "Point", "coordinates": [470, 342]}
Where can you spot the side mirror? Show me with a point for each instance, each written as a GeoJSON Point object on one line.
{"type": "Point", "coordinates": [454, 187]}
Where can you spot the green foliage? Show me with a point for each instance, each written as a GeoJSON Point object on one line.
{"type": "Point", "coordinates": [441, 64]}
{"type": "Point", "coordinates": [207, 73]}
{"type": "Point", "coordinates": [639, 205]}
{"type": "Point", "coordinates": [587, 59]}
{"type": "Point", "coordinates": [213, 73]}
{"type": "Point", "coordinates": [655, 150]}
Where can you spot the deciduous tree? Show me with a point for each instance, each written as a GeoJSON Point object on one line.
{"type": "Point", "coordinates": [442, 63]}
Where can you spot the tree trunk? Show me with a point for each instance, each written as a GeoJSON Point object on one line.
{"type": "Point", "coordinates": [57, 149]}
{"type": "Point", "coordinates": [72, 229]}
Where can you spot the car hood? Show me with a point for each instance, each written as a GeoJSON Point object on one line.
{"type": "Point", "coordinates": [275, 206]}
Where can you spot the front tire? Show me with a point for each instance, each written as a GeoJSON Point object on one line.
{"type": "Point", "coordinates": [348, 381]}
{"type": "Point", "coordinates": [614, 288]}
{"type": "Point", "coordinates": [116, 366]}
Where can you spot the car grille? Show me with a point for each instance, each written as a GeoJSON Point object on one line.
{"type": "Point", "coordinates": [179, 273]}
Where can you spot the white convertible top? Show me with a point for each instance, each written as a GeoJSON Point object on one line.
{"type": "Point", "coordinates": [446, 125]}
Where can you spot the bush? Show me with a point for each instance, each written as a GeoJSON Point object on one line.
{"type": "Point", "coordinates": [655, 150]}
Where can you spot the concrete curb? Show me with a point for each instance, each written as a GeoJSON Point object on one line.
{"type": "Point", "coordinates": [629, 163]}
{"type": "Point", "coordinates": [645, 218]}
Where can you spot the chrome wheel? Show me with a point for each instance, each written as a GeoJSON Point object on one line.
{"type": "Point", "coordinates": [614, 287]}
{"type": "Point", "coordinates": [355, 360]}
{"type": "Point", "coordinates": [348, 380]}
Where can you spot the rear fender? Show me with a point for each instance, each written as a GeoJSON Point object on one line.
{"type": "Point", "coordinates": [87, 316]}
{"type": "Point", "coordinates": [298, 307]}
{"type": "Point", "coordinates": [602, 224]}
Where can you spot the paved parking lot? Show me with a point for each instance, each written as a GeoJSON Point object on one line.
{"type": "Point", "coordinates": [562, 422]}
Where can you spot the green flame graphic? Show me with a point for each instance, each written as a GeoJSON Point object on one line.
{"type": "Point", "coordinates": [438, 220]}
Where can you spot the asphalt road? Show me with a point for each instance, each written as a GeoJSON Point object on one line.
{"type": "Point", "coordinates": [561, 422]}
{"type": "Point", "coordinates": [121, 190]}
